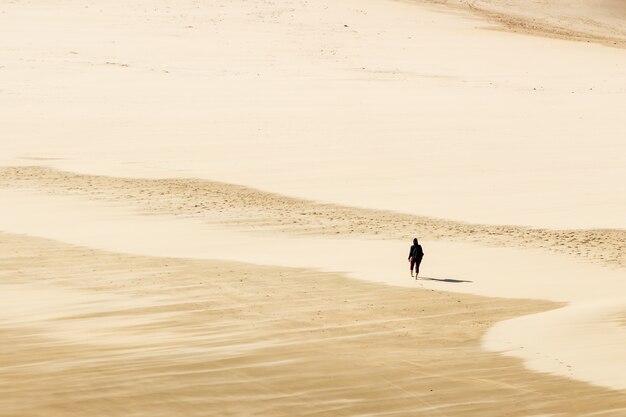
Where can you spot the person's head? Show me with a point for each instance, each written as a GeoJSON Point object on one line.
{"type": "Point", "coordinates": [415, 241]}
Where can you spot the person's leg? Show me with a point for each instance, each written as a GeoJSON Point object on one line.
{"type": "Point", "coordinates": [412, 263]}
{"type": "Point", "coordinates": [417, 268]}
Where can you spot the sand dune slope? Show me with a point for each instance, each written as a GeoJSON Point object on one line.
{"type": "Point", "coordinates": [208, 220]}
{"type": "Point", "coordinates": [343, 102]}
{"type": "Point", "coordinates": [600, 20]}
{"type": "Point", "coordinates": [139, 336]}
{"type": "Point", "coordinates": [252, 209]}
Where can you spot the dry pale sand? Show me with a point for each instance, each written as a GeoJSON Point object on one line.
{"type": "Point", "coordinates": [371, 103]}
{"type": "Point", "coordinates": [248, 208]}
{"type": "Point", "coordinates": [140, 336]}
{"type": "Point", "coordinates": [337, 105]}
{"type": "Point", "coordinates": [581, 340]}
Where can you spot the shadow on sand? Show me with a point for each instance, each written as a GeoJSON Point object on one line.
{"type": "Point", "coordinates": [455, 281]}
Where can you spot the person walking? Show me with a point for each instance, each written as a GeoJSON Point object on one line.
{"type": "Point", "coordinates": [416, 253]}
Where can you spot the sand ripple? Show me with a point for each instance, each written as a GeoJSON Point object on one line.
{"type": "Point", "coordinates": [140, 336]}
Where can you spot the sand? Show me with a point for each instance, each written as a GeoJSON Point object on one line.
{"type": "Point", "coordinates": [134, 336]}
{"type": "Point", "coordinates": [581, 340]}
{"type": "Point", "coordinates": [183, 161]}
{"type": "Point", "coordinates": [421, 111]}
{"type": "Point", "coordinates": [252, 209]}
{"type": "Point", "coordinates": [599, 21]}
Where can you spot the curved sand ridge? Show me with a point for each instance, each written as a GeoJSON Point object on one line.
{"type": "Point", "coordinates": [143, 336]}
{"type": "Point", "coordinates": [235, 205]}
{"type": "Point", "coordinates": [584, 20]}
{"type": "Point", "coordinates": [372, 103]}
{"type": "Point", "coordinates": [563, 349]}
{"type": "Point", "coordinates": [396, 75]}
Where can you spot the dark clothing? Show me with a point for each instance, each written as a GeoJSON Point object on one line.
{"type": "Point", "coordinates": [415, 256]}
{"type": "Point", "coordinates": [415, 263]}
{"type": "Point", "coordinates": [416, 253]}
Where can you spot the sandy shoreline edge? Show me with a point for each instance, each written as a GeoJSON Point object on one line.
{"type": "Point", "coordinates": [131, 335]}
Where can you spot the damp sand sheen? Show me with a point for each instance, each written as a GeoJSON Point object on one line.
{"type": "Point", "coordinates": [206, 209]}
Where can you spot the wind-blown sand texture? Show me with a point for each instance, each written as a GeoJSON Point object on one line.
{"type": "Point", "coordinates": [579, 340]}
{"type": "Point", "coordinates": [370, 103]}
{"type": "Point", "coordinates": [170, 138]}
{"type": "Point", "coordinates": [600, 21]}
{"type": "Point", "coordinates": [139, 336]}
{"type": "Point", "coordinates": [234, 205]}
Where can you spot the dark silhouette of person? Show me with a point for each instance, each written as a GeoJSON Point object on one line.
{"type": "Point", "coordinates": [416, 253]}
